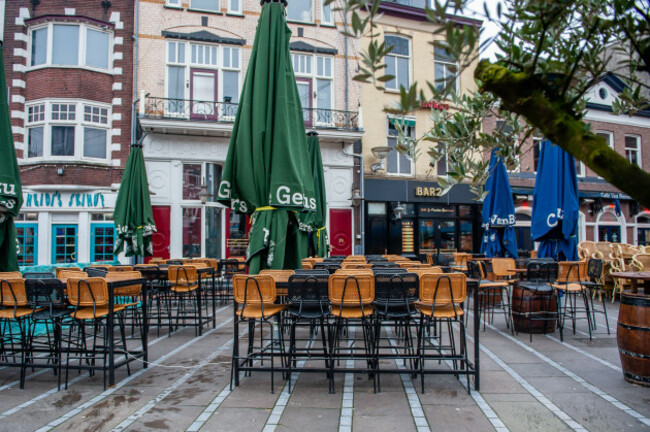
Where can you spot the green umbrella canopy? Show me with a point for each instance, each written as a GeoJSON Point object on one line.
{"type": "Point", "coordinates": [11, 193]}
{"type": "Point", "coordinates": [315, 221]}
{"type": "Point", "coordinates": [133, 216]}
{"type": "Point", "coordinates": [267, 168]}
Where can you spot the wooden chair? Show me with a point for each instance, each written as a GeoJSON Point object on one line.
{"type": "Point", "coordinates": [279, 277]}
{"type": "Point", "coordinates": [66, 274]}
{"type": "Point", "coordinates": [351, 293]}
{"type": "Point", "coordinates": [184, 291]}
{"type": "Point", "coordinates": [11, 275]}
{"type": "Point", "coordinates": [641, 261]}
{"type": "Point", "coordinates": [441, 299]}
{"type": "Point", "coordinates": [501, 269]}
{"type": "Point", "coordinates": [254, 297]}
{"type": "Point", "coordinates": [120, 268]}
{"type": "Point", "coordinates": [571, 275]}
{"type": "Point", "coordinates": [355, 265]}
{"type": "Point", "coordinates": [14, 322]}
{"type": "Point", "coordinates": [90, 298]}
{"type": "Point", "coordinates": [66, 269]}
{"type": "Point", "coordinates": [492, 294]}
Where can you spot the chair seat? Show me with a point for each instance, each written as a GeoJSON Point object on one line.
{"type": "Point", "coordinates": [184, 288]}
{"type": "Point", "coordinates": [255, 311]}
{"type": "Point", "coordinates": [494, 284]}
{"type": "Point", "coordinates": [443, 311]}
{"type": "Point", "coordinates": [570, 287]}
{"type": "Point", "coordinates": [88, 313]}
{"type": "Point", "coordinates": [591, 284]}
{"type": "Point", "coordinates": [351, 312]}
{"type": "Point", "coordinates": [308, 312]}
{"type": "Point", "coordinates": [45, 314]}
{"type": "Point", "coordinates": [20, 312]}
{"type": "Point", "coordinates": [390, 311]}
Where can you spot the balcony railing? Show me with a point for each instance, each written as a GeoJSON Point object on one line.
{"type": "Point", "coordinates": [225, 112]}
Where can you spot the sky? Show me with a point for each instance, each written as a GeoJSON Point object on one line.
{"type": "Point", "coordinates": [475, 9]}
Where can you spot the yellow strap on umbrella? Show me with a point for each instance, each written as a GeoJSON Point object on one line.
{"type": "Point", "coordinates": [265, 208]}
{"type": "Point", "coordinates": [318, 232]}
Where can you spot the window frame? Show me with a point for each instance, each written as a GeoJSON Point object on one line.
{"type": "Point", "coordinates": [239, 11]}
{"type": "Point", "coordinates": [193, 8]}
{"type": "Point", "coordinates": [446, 64]}
{"type": "Point", "coordinates": [21, 241]}
{"type": "Point", "coordinates": [82, 46]}
{"type": "Point", "coordinates": [322, 114]}
{"type": "Point", "coordinates": [188, 65]}
{"type": "Point", "coordinates": [93, 238]}
{"type": "Point", "coordinates": [175, 4]}
{"type": "Point", "coordinates": [76, 242]}
{"type": "Point", "coordinates": [409, 62]}
{"type": "Point", "coordinates": [388, 137]}
{"type": "Point", "coordinates": [311, 11]}
{"type": "Point", "coordinates": [638, 149]}
{"type": "Point", "coordinates": [330, 23]}
{"type": "Point", "coordinates": [79, 123]}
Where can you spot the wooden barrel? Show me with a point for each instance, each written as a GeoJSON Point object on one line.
{"type": "Point", "coordinates": [633, 336]}
{"type": "Point", "coordinates": [534, 307]}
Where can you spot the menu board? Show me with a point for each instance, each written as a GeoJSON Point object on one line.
{"type": "Point", "coordinates": [407, 236]}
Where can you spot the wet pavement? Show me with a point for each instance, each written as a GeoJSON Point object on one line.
{"type": "Point", "coordinates": [546, 385]}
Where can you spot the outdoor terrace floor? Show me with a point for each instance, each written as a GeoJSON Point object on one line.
{"type": "Point", "coordinates": [545, 385]}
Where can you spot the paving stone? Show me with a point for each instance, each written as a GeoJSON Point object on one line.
{"type": "Point", "coordinates": [528, 416]}
{"type": "Point", "coordinates": [456, 419]}
{"type": "Point", "coordinates": [237, 419]}
{"type": "Point", "coordinates": [310, 419]}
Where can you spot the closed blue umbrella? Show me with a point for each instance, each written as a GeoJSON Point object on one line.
{"type": "Point", "coordinates": [498, 212]}
{"type": "Point", "coordinates": [555, 204]}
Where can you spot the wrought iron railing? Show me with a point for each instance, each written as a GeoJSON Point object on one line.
{"type": "Point", "coordinates": [225, 112]}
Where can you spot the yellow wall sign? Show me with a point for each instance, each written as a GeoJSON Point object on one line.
{"type": "Point", "coordinates": [431, 191]}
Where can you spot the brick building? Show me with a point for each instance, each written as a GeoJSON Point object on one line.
{"type": "Point", "coordinates": [598, 219]}
{"type": "Point", "coordinates": [69, 75]}
{"type": "Point", "coordinates": [192, 57]}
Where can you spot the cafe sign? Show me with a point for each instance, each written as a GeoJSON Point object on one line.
{"type": "Point", "coordinates": [429, 191]}
{"type": "Point", "coordinates": [61, 200]}
{"type": "Point", "coordinates": [434, 105]}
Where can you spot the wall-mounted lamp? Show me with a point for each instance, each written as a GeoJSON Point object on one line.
{"type": "Point", "coordinates": [203, 193]}
{"type": "Point", "coordinates": [105, 5]}
{"type": "Point", "coordinates": [398, 211]}
{"type": "Point", "coordinates": [380, 153]}
{"type": "Point", "coordinates": [356, 199]}
{"type": "Point", "coordinates": [227, 99]}
{"type": "Point", "coordinates": [60, 170]}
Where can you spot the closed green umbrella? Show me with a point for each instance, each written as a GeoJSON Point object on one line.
{"type": "Point", "coordinates": [133, 216]}
{"type": "Point", "coordinates": [267, 171]}
{"type": "Point", "coordinates": [11, 193]}
{"type": "Point", "coordinates": [316, 220]}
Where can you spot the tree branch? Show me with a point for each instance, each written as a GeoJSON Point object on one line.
{"type": "Point", "coordinates": [525, 94]}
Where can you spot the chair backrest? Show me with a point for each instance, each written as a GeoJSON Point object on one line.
{"type": "Point", "coordinates": [595, 268]}
{"type": "Point", "coordinates": [443, 289]}
{"type": "Point", "coordinates": [11, 275]}
{"type": "Point", "coordinates": [542, 271]}
{"type": "Point", "coordinates": [429, 258]}
{"type": "Point", "coordinates": [460, 258]}
{"type": "Point", "coordinates": [12, 292]}
{"type": "Point", "coordinates": [572, 271]}
{"type": "Point", "coordinates": [356, 265]}
{"type": "Point", "coordinates": [385, 264]}
{"type": "Point", "coordinates": [500, 266]}
{"type": "Point", "coordinates": [443, 259]}
{"type": "Point", "coordinates": [475, 270]}
{"type": "Point", "coordinates": [585, 249]}
{"type": "Point", "coordinates": [89, 291]}
{"type": "Point", "coordinates": [376, 258]}
{"type": "Point", "coordinates": [278, 275]}
{"type": "Point", "coordinates": [641, 261]}
{"type": "Point", "coordinates": [355, 258]}
{"type": "Point", "coordinates": [182, 275]}
{"type": "Point", "coordinates": [129, 290]}
{"type": "Point", "coordinates": [389, 270]}
{"type": "Point", "coordinates": [38, 275]}
{"type": "Point", "coordinates": [64, 274]}
{"type": "Point", "coordinates": [45, 292]}
{"type": "Point", "coordinates": [307, 264]}
{"type": "Point", "coordinates": [354, 272]}
{"type": "Point", "coordinates": [308, 289]}
{"type": "Point", "coordinates": [231, 267]}
{"type": "Point", "coordinates": [253, 289]}
{"type": "Point", "coordinates": [315, 272]}
{"type": "Point", "coordinates": [347, 289]}
{"type": "Point", "coordinates": [424, 270]}
{"type": "Point", "coordinates": [329, 266]}
{"type": "Point", "coordinates": [120, 268]}
{"type": "Point", "coordinates": [66, 269]}
{"type": "Point", "coordinates": [400, 288]}
{"type": "Point", "coordinates": [211, 262]}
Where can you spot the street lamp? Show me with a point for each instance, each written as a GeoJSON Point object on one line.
{"type": "Point", "coordinates": [380, 153]}
{"type": "Point", "coordinates": [203, 193]}
{"type": "Point", "coordinates": [356, 199]}
{"type": "Point", "coordinates": [398, 211]}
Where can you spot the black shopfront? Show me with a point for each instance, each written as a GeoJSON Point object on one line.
{"type": "Point", "coordinates": [415, 218]}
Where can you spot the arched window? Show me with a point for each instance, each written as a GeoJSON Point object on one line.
{"type": "Point", "coordinates": [643, 229]}
{"type": "Point", "coordinates": [522, 232]}
{"type": "Point", "coordinates": [610, 227]}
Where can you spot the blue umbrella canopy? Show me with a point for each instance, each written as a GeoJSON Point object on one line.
{"type": "Point", "coordinates": [498, 217]}
{"type": "Point", "coordinates": [555, 204]}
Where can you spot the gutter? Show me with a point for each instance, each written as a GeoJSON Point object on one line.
{"type": "Point", "coordinates": [363, 194]}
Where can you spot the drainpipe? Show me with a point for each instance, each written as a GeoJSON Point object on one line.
{"type": "Point", "coordinates": [134, 116]}
{"type": "Point", "coordinates": [347, 83]}
{"type": "Point", "coordinates": [363, 194]}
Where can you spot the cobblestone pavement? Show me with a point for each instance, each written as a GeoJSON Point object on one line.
{"type": "Point", "coordinates": [545, 385]}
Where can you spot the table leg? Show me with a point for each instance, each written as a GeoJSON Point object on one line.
{"type": "Point", "coordinates": [145, 323]}
{"type": "Point", "coordinates": [633, 286]}
{"type": "Point", "coordinates": [214, 301]}
{"type": "Point", "coordinates": [199, 295]}
{"type": "Point", "coordinates": [477, 331]}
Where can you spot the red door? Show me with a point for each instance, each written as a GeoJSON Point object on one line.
{"type": "Point", "coordinates": [340, 231]}
{"type": "Point", "coordinates": [160, 239]}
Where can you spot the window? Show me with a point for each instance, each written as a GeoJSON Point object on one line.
{"type": "Point", "coordinates": [643, 229]}
{"type": "Point", "coordinates": [102, 241]}
{"type": "Point", "coordinates": [314, 78]}
{"type": "Point", "coordinates": [68, 129]}
{"type": "Point", "coordinates": [537, 149]}
{"type": "Point", "coordinates": [191, 181]}
{"type": "Point", "coordinates": [205, 5]}
{"type": "Point", "coordinates": [609, 227]}
{"type": "Point", "coordinates": [64, 243]}
{"type": "Point", "coordinates": [208, 74]}
{"type": "Point", "coordinates": [300, 10]}
{"type": "Point", "coordinates": [173, 3]}
{"type": "Point", "coordinates": [445, 70]}
{"type": "Point", "coordinates": [66, 45]}
{"type": "Point", "coordinates": [234, 6]}
{"type": "Point", "coordinates": [27, 236]}
{"type": "Point", "coordinates": [633, 149]}
{"type": "Point", "coordinates": [396, 162]}
{"type": "Point", "coordinates": [326, 14]}
{"type": "Point", "coordinates": [398, 62]}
